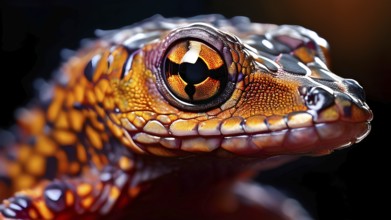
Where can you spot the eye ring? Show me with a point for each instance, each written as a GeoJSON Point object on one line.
{"type": "Point", "coordinates": [194, 72]}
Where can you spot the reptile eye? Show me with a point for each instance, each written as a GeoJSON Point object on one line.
{"type": "Point", "coordinates": [195, 67]}
{"type": "Point", "coordinates": [194, 72]}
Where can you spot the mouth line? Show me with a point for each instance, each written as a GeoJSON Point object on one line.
{"type": "Point", "coordinates": [310, 132]}
{"type": "Point", "coordinates": [317, 139]}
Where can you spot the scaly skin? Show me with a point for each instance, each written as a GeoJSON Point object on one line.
{"type": "Point", "coordinates": [118, 128]}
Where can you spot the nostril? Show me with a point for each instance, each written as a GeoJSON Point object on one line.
{"type": "Point", "coordinates": [318, 99]}
{"type": "Point", "coordinates": [355, 88]}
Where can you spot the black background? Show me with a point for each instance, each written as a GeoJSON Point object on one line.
{"type": "Point", "coordinates": [349, 184]}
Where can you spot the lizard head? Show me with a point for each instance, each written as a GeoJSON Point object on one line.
{"type": "Point", "coordinates": [199, 89]}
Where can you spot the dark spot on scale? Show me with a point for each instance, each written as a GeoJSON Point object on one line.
{"type": "Point", "coordinates": [89, 70]}
{"type": "Point", "coordinates": [5, 180]}
{"type": "Point", "coordinates": [275, 49]}
{"type": "Point", "coordinates": [259, 45]}
{"type": "Point", "coordinates": [78, 106]}
{"type": "Point", "coordinates": [279, 47]}
{"type": "Point", "coordinates": [31, 141]}
{"type": "Point", "coordinates": [54, 196]}
{"type": "Point", "coordinates": [291, 65]}
{"type": "Point", "coordinates": [99, 119]}
{"type": "Point", "coordinates": [51, 167]}
{"type": "Point", "coordinates": [347, 111]}
{"type": "Point", "coordinates": [266, 60]}
{"type": "Point", "coordinates": [71, 152]}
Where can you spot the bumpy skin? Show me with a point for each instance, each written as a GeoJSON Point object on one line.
{"type": "Point", "coordinates": [112, 131]}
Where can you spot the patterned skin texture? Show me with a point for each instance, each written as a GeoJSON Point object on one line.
{"type": "Point", "coordinates": [167, 109]}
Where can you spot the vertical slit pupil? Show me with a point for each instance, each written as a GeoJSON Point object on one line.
{"type": "Point", "coordinates": [89, 71]}
{"type": "Point", "coordinates": [190, 90]}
